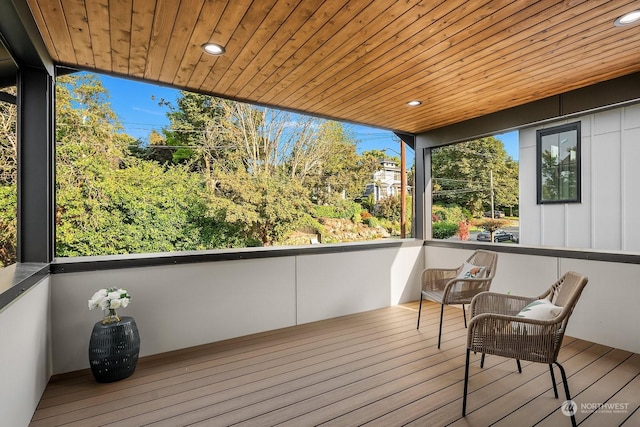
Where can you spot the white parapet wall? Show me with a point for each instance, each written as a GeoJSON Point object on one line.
{"type": "Point", "coordinates": [180, 306]}
{"type": "Point", "coordinates": [25, 357]}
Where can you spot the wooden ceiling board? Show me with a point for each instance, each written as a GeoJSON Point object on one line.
{"type": "Point", "coordinates": [266, 30]}
{"type": "Point", "coordinates": [100, 34]}
{"type": "Point", "coordinates": [288, 51]}
{"type": "Point", "coordinates": [203, 31]}
{"type": "Point", "coordinates": [442, 63]}
{"type": "Point", "coordinates": [75, 15]}
{"type": "Point", "coordinates": [180, 37]}
{"type": "Point", "coordinates": [161, 34]}
{"type": "Point", "coordinates": [54, 28]}
{"type": "Point", "coordinates": [142, 12]}
{"type": "Point", "coordinates": [351, 74]}
{"type": "Point", "coordinates": [298, 63]}
{"type": "Point", "coordinates": [493, 59]}
{"type": "Point", "coordinates": [289, 28]}
{"type": "Point", "coordinates": [232, 18]}
{"type": "Point", "coordinates": [210, 15]}
{"type": "Point", "coordinates": [370, 21]}
{"type": "Point", "coordinates": [242, 41]}
{"type": "Point", "coordinates": [359, 61]}
{"type": "Point", "coordinates": [120, 17]}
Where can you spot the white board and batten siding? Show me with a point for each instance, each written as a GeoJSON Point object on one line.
{"type": "Point", "coordinates": [608, 216]}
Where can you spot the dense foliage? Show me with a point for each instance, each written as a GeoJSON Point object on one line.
{"type": "Point", "coordinates": [222, 174]}
{"type": "Point", "coordinates": [462, 175]}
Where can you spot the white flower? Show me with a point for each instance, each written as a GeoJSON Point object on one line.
{"type": "Point", "coordinates": [110, 299]}
{"type": "Point", "coordinates": [104, 304]}
{"type": "Point", "coordinates": [97, 299]}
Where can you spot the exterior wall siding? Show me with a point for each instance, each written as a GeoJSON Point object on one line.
{"type": "Point", "coordinates": [606, 217]}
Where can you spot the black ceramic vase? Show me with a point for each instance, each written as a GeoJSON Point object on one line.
{"type": "Point", "coordinates": [113, 350]}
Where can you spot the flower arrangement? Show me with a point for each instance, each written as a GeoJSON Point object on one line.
{"type": "Point", "coordinates": [108, 300]}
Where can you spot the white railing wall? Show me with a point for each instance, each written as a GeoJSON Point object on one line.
{"type": "Point", "coordinates": [25, 354]}
{"type": "Point", "coordinates": [179, 306]}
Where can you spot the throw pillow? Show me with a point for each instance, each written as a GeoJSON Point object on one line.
{"type": "Point", "coordinates": [541, 309]}
{"type": "Point", "coordinates": [470, 271]}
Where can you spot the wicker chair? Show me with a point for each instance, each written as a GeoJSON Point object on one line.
{"type": "Point", "coordinates": [496, 329]}
{"type": "Point", "coordinates": [442, 285]}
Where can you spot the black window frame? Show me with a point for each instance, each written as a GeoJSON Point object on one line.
{"type": "Point", "coordinates": [575, 126]}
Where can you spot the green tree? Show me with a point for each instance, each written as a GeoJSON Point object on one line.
{"type": "Point", "coordinates": [462, 175]}
{"type": "Point", "coordinates": [341, 172]}
{"type": "Point", "coordinates": [137, 208]}
{"type": "Point", "coordinates": [107, 201]}
{"type": "Point", "coordinates": [263, 208]}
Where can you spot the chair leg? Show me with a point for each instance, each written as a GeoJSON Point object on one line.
{"type": "Point", "coordinates": [419, 311]}
{"type": "Point", "coordinates": [482, 361]}
{"type": "Point", "coordinates": [553, 380]}
{"type": "Point", "coordinates": [464, 316]}
{"type": "Point", "coordinates": [466, 381]}
{"type": "Point", "coordinates": [440, 329]}
{"type": "Point", "coordinates": [571, 408]}
{"type": "Point", "coordinates": [519, 367]}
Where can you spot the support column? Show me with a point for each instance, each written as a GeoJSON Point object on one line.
{"type": "Point", "coordinates": [36, 178]}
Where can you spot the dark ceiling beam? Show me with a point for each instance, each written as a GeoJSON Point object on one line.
{"type": "Point", "coordinates": [21, 36]}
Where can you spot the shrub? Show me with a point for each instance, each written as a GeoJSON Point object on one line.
{"type": "Point", "coordinates": [491, 225]}
{"type": "Point", "coordinates": [340, 209]}
{"type": "Point", "coordinates": [392, 227]}
{"type": "Point", "coordinates": [463, 230]}
{"type": "Point", "coordinates": [450, 213]}
{"type": "Point", "coordinates": [371, 221]}
{"type": "Point", "coordinates": [443, 230]}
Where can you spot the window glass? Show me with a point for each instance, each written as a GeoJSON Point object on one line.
{"type": "Point", "coordinates": [558, 162]}
{"type": "Point", "coordinates": [8, 175]}
{"type": "Point", "coordinates": [476, 191]}
{"type": "Point", "coordinates": [143, 169]}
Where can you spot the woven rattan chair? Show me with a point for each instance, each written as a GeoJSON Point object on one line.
{"type": "Point", "coordinates": [496, 329]}
{"type": "Point", "coordinates": [442, 285]}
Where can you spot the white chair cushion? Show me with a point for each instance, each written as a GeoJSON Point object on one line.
{"type": "Point", "coordinates": [541, 309]}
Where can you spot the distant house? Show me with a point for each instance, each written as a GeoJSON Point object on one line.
{"type": "Point", "coordinates": [385, 181]}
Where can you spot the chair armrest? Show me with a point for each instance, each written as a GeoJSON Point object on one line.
{"type": "Point", "coordinates": [462, 290]}
{"type": "Point", "coordinates": [493, 302]}
{"type": "Point", "coordinates": [435, 279]}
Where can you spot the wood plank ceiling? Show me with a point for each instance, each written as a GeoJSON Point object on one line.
{"type": "Point", "coordinates": [358, 61]}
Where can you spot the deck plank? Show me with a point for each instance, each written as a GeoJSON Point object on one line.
{"type": "Point", "coordinates": [370, 368]}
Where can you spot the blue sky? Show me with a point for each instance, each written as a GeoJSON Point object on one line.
{"type": "Point", "coordinates": [136, 104]}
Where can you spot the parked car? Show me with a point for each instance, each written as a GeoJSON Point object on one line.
{"type": "Point", "coordinates": [496, 214]}
{"type": "Point", "coordinates": [498, 236]}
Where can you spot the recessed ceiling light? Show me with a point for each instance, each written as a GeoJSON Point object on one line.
{"type": "Point", "coordinates": [414, 103]}
{"type": "Point", "coordinates": [213, 49]}
{"type": "Point", "coordinates": [628, 18]}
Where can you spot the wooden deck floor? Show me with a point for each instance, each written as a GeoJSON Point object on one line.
{"type": "Point", "coordinates": [371, 368]}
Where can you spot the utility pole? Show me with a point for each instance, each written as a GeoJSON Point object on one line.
{"type": "Point", "coordinates": [491, 184]}
{"type": "Point", "coordinates": [403, 191]}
